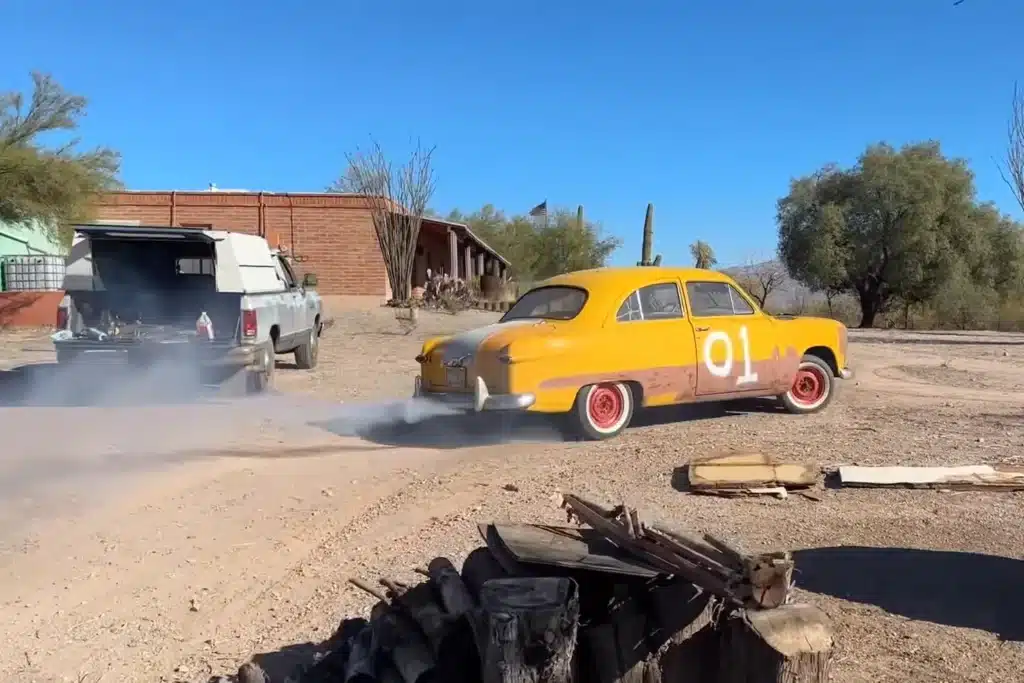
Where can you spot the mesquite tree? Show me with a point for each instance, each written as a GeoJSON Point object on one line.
{"type": "Point", "coordinates": [38, 180]}
{"type": "Point", "coordinates": [397, 197]}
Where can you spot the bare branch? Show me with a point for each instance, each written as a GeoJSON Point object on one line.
{"type": "Point", "coordinates": [1012, 168]}
{"type": "Point", "coordinates": [762, 278]}
{"type": "Point", "coordinates": [397, 198]}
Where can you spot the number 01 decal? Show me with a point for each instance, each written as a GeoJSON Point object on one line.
{"type": "Point", "coordinates": [724, 369]}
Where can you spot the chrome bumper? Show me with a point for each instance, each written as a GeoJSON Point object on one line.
{"type": "Point", "coordinates": [480, 399]}
{"type": "Point", "coordinates": [846, 373]}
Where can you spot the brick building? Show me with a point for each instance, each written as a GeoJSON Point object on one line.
{"type": "Point", "coordinates": [332, 235]}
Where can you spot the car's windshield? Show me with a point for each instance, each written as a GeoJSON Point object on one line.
{"type": "Point", "coordinates": [550, 303]}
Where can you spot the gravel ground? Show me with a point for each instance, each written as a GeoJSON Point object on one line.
{"type": "Point", "coordinates": [230, 531]}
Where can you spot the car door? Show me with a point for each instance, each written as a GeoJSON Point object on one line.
{"type": "Point", "coordinates": [288, 309]}
{"type": "Point", "coordinates": [304, 312]}
{"type": "Point", "coordinates": [734, 341]}
{"type": "Point", "coordinates": [654, 333]}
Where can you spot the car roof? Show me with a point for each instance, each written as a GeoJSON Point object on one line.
{"type": "Point", "coordinates": [598, 280]}
{"type": "Point", "coordinates": [606, 286]}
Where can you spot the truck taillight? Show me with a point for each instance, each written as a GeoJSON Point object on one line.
{"type": "Point", "coordinates": [249, 327]}
{"type": "Point", "coordinates": [62, 318]}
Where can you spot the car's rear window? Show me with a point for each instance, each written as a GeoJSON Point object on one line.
{"type": "Point", "coordinates": [550, 303]}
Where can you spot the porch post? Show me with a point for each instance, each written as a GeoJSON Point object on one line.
{"type": "Point", "coordinates": [467, 253]}
{"type": "Point", "coordinates": [480, 270]}
{"type": "Point", "coordinates": [453, 253]}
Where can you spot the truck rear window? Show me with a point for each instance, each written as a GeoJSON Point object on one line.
{"type": "Point", "coordinates": [150, 265]}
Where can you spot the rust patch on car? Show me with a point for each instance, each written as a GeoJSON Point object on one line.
{"type": "Point", "coordinates": [775, 375]}
{"type": "Point", "coordinates": [680, 380]}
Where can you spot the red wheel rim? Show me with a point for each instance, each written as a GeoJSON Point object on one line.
{"type": "Point", "coordinates": [809, 386]}
{"type": "Point", "coordinates": [605, 406]}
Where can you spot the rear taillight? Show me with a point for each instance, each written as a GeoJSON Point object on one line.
{"type": "Point", "coordinates": [249, 327]}
{"type": "Point", "coordinates": [62, 318]}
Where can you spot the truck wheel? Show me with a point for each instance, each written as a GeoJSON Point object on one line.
{"type": "Point", "coordinates": [261, 377]}
{"type": "Point", "coordinates": [305, 355]}
{"type": "Point", "coordinates": [603, 410]}
{"type": "Point", "coordinates": [812, 388]}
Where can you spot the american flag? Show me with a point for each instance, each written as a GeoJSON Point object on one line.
{"type": "Point", "coordinates": [540, 210]}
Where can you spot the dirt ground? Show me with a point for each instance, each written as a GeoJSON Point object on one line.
{"type": "Point", "coordinates": [170, 542]}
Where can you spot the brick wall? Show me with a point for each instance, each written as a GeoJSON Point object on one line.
{"type": "Point", "coordinates": [333, 233]}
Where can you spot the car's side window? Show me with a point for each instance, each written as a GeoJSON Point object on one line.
{"type": "Point", "coordinates": [282, 273]}
{"type": "Point", "coordinates": [716, 298]}
{"type": "Point", "coordinates": [653, 302]}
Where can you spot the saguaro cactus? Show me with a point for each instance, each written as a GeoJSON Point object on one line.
{"type": "Point", "coordinates": [648, 244]}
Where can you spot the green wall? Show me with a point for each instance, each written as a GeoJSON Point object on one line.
{"type": "Point", "coordinates": [26, 238]}
{"type": "Point", "coordinates": [20, 239]}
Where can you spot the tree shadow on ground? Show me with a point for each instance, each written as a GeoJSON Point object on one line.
{"type": "Point", "coordinates": [391, 425]}
{"type": "Point", "coordinates": [966, 590]}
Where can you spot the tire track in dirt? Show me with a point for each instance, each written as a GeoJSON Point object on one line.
{"type": "Point", "coordinates": [286, 606]}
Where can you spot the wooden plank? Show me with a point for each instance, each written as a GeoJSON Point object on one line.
{"type": "Point", "coordinates": [569, 547]}
{"type": "Point", "coordinates": [499, 551]}
{"type": "Point", "coordinates": [965, 477]}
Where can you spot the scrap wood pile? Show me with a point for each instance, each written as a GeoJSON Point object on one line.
{"type": "Point", "coordinates": [610, 600]}
{"type": "Point", "coordinates": [737, 473]}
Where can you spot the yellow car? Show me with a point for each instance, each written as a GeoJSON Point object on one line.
{"type": "Point", "coordinates": [598, 344]}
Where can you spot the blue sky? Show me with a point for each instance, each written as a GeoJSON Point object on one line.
{"type": "Point", "coordinates": [706, 109]}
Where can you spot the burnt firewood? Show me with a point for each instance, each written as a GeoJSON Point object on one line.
{"type": "Point", "coordinates": [361, 666]}
{"type": "Point", "coordinates": [388, 673]}
{"type": "Point", "coordinates": [458, 659]}
{"type": "Point", "coordinates": [532, 626]}
{"type": "Point", "coordinates": [459, 603]}
{"type": "Point", "coordinates": [789, 644]}
{"type": "Point", "coordinates": [419, 602]}
{"type": "Point", "coordinates": [454, 594]}
{"type": "Point", "coordinates": [400, 638]}
{"type": "Point", "coordinates": [479, 568]}
{"type": "Point", "coordinates": [684, 638]}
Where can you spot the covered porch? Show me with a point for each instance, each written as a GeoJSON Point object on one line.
{"type": "Point", "coordinates": [453, 249]}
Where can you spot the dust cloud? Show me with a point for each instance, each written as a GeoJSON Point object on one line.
{"type": "Point", "coordinates": [73, 432]}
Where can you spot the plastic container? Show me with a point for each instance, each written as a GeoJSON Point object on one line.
{"type": "Point", "coordinates": [35, 273]}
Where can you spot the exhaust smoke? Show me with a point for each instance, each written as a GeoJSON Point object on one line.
{"type": "Point", "coordinates": [74, 433]}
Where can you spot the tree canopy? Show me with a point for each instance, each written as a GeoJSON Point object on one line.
{"type": "Point", "coordinates": [51, 182]}
{"type": "Point", "coordinates": [901, 224]}
{"type": "Point", "coordinates": [536, 249]}
{"type": "Point", "coordinates": [703, 255]}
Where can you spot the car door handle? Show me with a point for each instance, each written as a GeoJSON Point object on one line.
{"type": "Point", "coordinates": [701, 329]}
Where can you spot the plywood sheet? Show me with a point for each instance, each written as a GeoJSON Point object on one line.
{"type": "Point", "coordinates": [964, 477]}
{"type": "Point", "coordinates": [749, 470]}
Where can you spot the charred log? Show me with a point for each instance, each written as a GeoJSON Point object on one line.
{"type": "Point", "coordinates": [532, 628]}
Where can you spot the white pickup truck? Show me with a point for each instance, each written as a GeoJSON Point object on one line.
{"type": "Point", "coordinates": [218, 300]}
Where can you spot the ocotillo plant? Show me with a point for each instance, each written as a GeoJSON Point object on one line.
{"type": "Point", "coordinates": [645, 253]}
